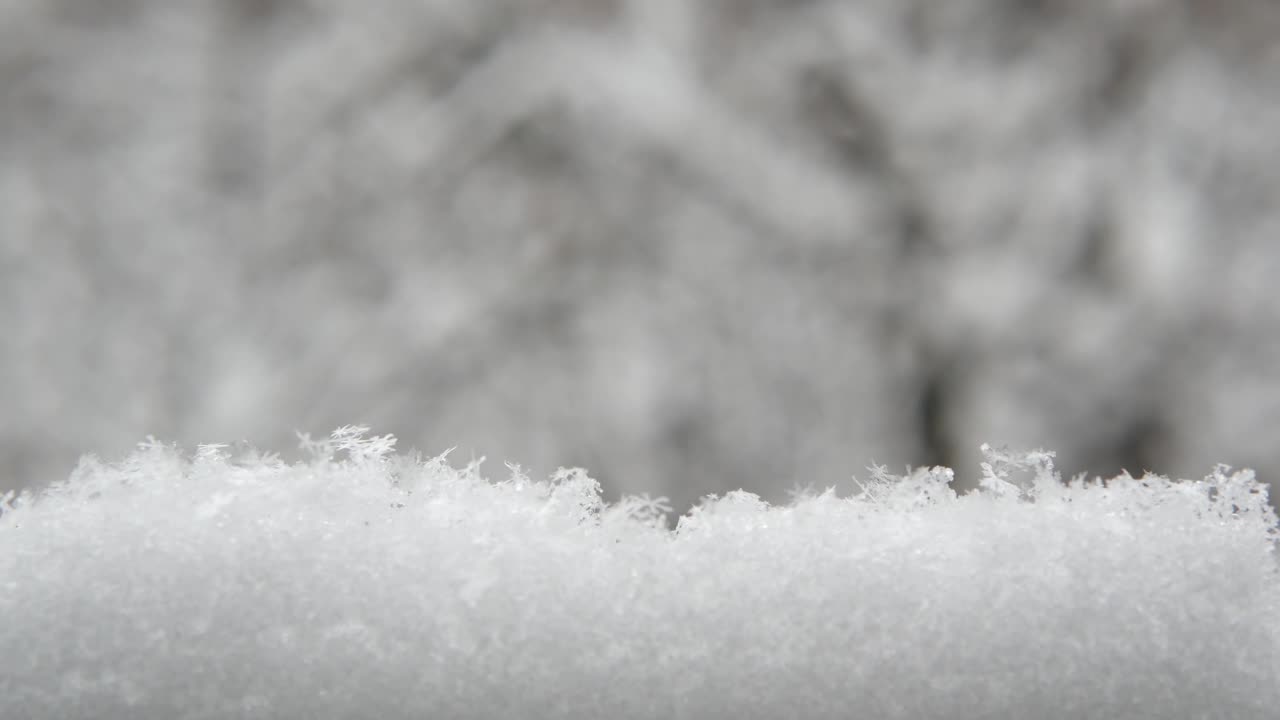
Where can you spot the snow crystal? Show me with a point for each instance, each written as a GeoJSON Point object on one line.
{"type": "Point", "coordinates": [361, 583]}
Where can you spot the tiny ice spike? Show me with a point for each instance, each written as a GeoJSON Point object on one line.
{"type": "Point", "coordinates": [1007, 473]}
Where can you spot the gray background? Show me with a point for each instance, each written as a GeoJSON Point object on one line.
{"type": "Point", "coordinates": [689, 245]}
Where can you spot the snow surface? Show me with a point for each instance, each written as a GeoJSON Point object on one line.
{"type": "Point", "coordinates": [364, 583]}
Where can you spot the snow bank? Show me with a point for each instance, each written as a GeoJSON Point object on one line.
{"type": "Point", "coordinates": [368, 584]}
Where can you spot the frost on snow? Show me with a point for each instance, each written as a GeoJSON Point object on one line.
{"type": "Point", "coordinates": [364, 583]}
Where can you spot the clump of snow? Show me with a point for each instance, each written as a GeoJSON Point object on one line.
{"type": "Point", "coordinates": [363, 583]}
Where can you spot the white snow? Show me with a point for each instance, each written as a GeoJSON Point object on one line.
{"type": "Point", "coordinates": [362, 583]}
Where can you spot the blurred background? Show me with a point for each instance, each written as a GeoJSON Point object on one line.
{"type": "Point", "coordinates": [690, 245]}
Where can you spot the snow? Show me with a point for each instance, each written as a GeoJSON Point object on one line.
{"type": "Point", "coordinates": [365, 583]}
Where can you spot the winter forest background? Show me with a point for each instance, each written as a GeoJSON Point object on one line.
{"type": "Point", "coordinates": [689, 245]}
